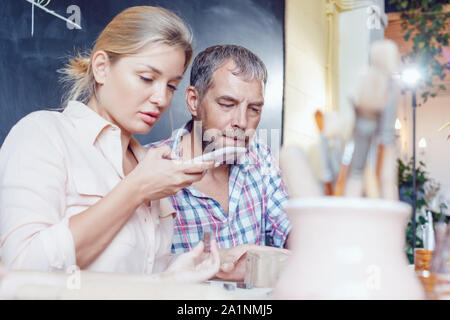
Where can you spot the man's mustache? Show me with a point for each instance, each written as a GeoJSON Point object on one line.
{"type": "Point", "coordinates": [239, 135]}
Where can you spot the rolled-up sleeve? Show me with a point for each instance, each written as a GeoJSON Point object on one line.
{"type": "Point", "coordinates": [33, 231]}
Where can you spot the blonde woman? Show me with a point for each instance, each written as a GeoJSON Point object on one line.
{"type": "Point", "coordinates": [76, 188]}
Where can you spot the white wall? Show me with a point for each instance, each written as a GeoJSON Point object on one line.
{"type": "Point", "coordinates": [354, 40]}
{"type": "Point", "coordinates": [306, 59]}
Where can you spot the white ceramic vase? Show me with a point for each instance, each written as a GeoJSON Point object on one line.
{"type": "Point", "coordinates": [348, 248]}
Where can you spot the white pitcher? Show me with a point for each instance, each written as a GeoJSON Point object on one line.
{"type": "Point", "coordinates": [348, 248]}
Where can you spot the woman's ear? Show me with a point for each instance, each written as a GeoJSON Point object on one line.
{"type": "Point", "coordinates": [192, 100]}
{"type": "Point", "coordinates": [100, 64]}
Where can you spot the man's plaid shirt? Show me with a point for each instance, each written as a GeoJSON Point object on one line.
{"type": "Point", "coordinates": [257, 197]}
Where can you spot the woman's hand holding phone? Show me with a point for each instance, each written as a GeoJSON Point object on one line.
{"type": "Point", "coordinates": [159, 176]}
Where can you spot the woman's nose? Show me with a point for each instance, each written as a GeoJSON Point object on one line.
{"type": "Point", "coordinates": [159, 96]}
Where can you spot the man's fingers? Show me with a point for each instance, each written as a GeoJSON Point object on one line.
{"type": "Point", "coordinates": [268, 248]}
{"type": "Point", "coordinates": [240, 252]}
{"type": "Point", "coordinates": [227, 267]}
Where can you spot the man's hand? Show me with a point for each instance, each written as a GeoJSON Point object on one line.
{"type": "Point", "coordinates": [232, 260]}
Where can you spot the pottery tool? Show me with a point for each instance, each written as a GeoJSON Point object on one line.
{"type": "Point", "coordinates": [369, 102]}
{"type": "Point", "coordinates": [207, 242]}
{"type": "Point", "coordinates": [388, 174]}
{"type": "Point", "coordinates": [298, 174]}
{"type": "Point", "coordinates": [332, 127]}
{"type": "Point", "coordinates": [243, 285]}
{"type": "Point", "coordinates": [325, 166]}
{"type": "Point", "coordinates": [229, 286]}
{"type": "Point", "coordinates": [343, 171]}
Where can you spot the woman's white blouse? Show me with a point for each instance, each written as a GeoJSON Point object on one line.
{"type": "Point", "coordinates": [54, 165]}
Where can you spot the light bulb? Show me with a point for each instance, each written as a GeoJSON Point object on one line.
{"type": "Point", "coordinates": [422, 143]}
{"type": "Point", "coordinates": [411, 76]}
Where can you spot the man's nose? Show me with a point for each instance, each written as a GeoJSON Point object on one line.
{"type": "Point", "coordinates": [240, 118]}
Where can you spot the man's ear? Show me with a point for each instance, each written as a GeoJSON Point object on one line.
{"type": "Point", "coordinates": [192, 100]}
{"type": "Point", "coordinates": [100, 65]}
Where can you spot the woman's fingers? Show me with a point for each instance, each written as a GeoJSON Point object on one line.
{"type": "Point", "coordinates": [196, 167]}
{"type": "Point", "coordinates": [198, 250]}
{"type": "Point", "coordinates": [165, 152]}
{"type": "Point", "coordinates": [214, 253]}
{"type": "Point", "coordinates": [210, 266]}
{"type": "Point", "coordinates": [191, 270]}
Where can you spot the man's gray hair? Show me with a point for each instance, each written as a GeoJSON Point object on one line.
{"type": "Point", "coordinates": [206, 62]}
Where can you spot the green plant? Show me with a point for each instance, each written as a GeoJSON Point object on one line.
{"type": "Point", "coordinates": [405, 188]}
{"type": "Point", "coordinates": [425, 23]}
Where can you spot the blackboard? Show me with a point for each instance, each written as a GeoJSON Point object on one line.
{"type": "Point", "coordinates": [35, 43]}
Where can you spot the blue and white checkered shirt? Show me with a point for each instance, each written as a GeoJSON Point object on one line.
{"type": "Point", "coordinates": [257, 197]}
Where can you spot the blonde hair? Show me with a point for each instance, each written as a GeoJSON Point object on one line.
{"type": "Point", "coordinates": [127, 33]}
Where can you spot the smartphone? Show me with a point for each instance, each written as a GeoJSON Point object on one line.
{"type": "Point", "coordinates": [223, 155]}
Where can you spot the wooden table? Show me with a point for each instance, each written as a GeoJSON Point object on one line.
{"type": "Point", "coordinates": [104, 286]}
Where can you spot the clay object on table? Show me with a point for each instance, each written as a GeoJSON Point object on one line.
{"type": "Point", "coordinates": [263, 268]}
